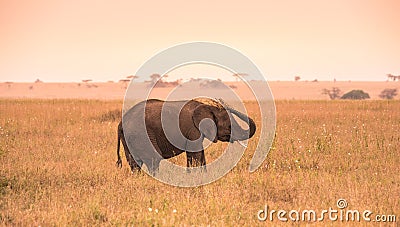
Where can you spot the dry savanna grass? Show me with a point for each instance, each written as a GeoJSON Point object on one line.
{"type": "Point", "coordinates": [58, 167]}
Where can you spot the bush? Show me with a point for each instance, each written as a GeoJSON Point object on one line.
{"type": "Point", "coordinates": [356, 94]}
{"type": "Point", "coordinates": [388, 93]}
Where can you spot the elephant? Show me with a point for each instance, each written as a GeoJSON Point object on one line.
{"type": "Point", "coordinates": [158, 130]}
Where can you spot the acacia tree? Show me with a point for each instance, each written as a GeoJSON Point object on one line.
{"type": "Point", "coordinates": [388, 93]}
{"type": "Point", "coordinates": [132, 77]}
{"type": "Point", "coordinates": [333, 93]}
{"type": "Point", "coordinates": [393, 77]}
{"type": "Point", "coordinates": [239, 75]}
{"type": "Point", "coordinates": [154, 77]}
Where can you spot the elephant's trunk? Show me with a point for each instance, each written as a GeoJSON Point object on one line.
{"type": "Point", "coordinates": [252, 126]}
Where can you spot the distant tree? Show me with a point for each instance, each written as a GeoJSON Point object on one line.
{"type": "Point", "coordinates": [388, 93]}
{"type": "Point", "coordinates": [297, 78]}
{"type": "Point", "coordinates": [124, 83]}
{"type": "Point", "coordinates": [213, 84]}
{"type": "Point", "coordinates": [154, 77]}
{"type": "Point", "coordinates": [356, 94]}
{"type": "Point", "coordinates": [238, 75]}
{"type": "Point", "coordinates": [132, 77]}
{"type": "Point", "coordinates": [390, 77]}
{"type": "Point", "coordinates": [333, 93]}
{"type": "Point", "coordinates": [393, 77]}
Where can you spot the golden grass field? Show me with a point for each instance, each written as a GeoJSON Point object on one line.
{"type": "Point", "coordinates": [58, 157]}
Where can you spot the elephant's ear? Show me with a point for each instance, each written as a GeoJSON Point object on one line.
{"type": "Point", "coordinates": [204, 120]}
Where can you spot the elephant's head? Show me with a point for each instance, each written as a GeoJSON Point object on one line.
{"type": "Point", "coordinates": [219, 122]}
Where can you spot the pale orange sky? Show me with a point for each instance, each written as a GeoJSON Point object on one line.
{"type": "Point", "coordinates": [109, 40]}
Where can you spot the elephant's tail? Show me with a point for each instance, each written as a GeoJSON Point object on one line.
{"type": "Point", "coordinates": [120, 134]}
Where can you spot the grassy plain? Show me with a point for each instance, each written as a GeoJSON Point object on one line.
{"type": "Point", "coordinates": [57, 167]}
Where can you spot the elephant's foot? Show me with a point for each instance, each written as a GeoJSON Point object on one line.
{"type": "Point", "coordinates": [119, 163]}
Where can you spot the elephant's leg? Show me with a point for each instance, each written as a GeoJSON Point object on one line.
{"type": "Point", "coordinates": [132, 163]}
{"type": "Point", "coordinates": [151, 154]}
{"type": "Point", "coordinates": [195, 159]}
{"type": "Point", "coordinates": [129, 158]}
{"type": "Point", "coordinates": [153, 167]}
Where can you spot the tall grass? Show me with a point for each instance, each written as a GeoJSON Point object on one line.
{"type": "Point", "coordinates": [57, 160]}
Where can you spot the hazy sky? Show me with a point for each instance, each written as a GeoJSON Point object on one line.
{"type": "Point", "coordinates": [109, 40]}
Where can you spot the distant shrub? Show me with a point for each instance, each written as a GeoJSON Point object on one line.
{"type": "Point", "coordinates": [213, 84]}
{"type": "Point", "coordinates": [356, 94]}
{"type": "Point", "coordinates": [388, 93]}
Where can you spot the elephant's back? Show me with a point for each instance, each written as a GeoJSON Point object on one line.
{"type": "Point", "coordinates": [139, 107]}
{"type": "Point", "coordinates": [151, 111]}
{"type": "Point", "coordinates": [133, 119]}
